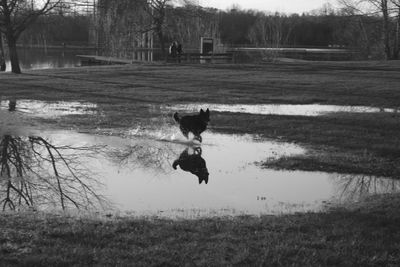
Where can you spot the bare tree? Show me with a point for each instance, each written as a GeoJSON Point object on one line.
{"type": "Point", "coordinates": [396, 52]}
{"type": "Point", "coordinates": [15, 17]}
{"type": "Point", "coordinates": [190, 22]}
{"type": "Point", "coordinates": [144, 155]}
{"type": "Point", "coordinates": [270, 30]}
{"type": "Point", "coordinates": [2, 54]}
{"type": "Point", "coordinates": [157, 11]}
{"type": "Point", "coordinates": [355, 187]}
{"type": "Point", "coordinates": [34, 172]}
{"type": "Point", "coordinates": [388, 10]}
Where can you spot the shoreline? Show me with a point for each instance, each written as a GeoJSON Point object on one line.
{"type": "Point", "coordinates": [355, 235]}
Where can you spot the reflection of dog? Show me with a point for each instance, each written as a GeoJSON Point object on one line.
{"type": "Point", "coordinates": [194, 123]}
{"type": "Point", "coordinates": [193, 163]}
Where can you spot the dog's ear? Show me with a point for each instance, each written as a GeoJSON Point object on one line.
{"type": "Point", "coordinates": [207, 113]}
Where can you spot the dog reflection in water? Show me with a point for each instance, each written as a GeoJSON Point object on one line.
{"type": "Point", "coordinates": [193, 163]}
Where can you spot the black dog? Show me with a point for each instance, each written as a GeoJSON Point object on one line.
{"type": "Point", "coordinates": [193, 123]}
{"type": "Point", "coordinates": [193, 163]}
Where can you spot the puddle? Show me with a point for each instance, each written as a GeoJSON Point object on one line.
{"type": "Point", "coordinates": [279, 109]}
{"type": "Point", "coordinates": [134, 175]}
{"type": "Point", "coordinates": [156, 171]}
{"type": "Point", "coordinates": [49, 109]}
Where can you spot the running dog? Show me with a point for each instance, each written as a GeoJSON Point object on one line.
{"type": "Point", "coordinates": [193, 123]}
{"type": "Point", "coordinates": [193, 163]}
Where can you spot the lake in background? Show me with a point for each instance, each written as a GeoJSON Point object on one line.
{"type": "Point", "coordinates": [50, 58]}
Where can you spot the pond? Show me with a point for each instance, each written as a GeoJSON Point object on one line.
{"type": "Point", "coordinates": [50, 58]}
{"type": "Point", "coordinates": [143, 171]}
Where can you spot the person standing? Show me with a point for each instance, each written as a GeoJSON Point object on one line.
{"type": "Point", "coordinates": [173, 50]}
{"type": "Point", "coordinates": [179, 51]}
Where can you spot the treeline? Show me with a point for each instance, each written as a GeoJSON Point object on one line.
{"type": "Point", "coordinates": [123, 26]}
{"type": "Point", "coordinates": [127, 26]}
{"type": "Point", "coordinates": [55, 29]}
{"type": "Point", "coordinates": [318, 29]}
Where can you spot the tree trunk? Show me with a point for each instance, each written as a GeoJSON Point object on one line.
{"type": "Point", "coordinates": [386, 28]}
{"type": "Point", "coordinates": [162, 42]}
{"type": "Point", "coordinates": [2, 54]}
{"type": "Point", "coordinates": [365, 36]}
{"type": "Point", "coordinates": [12, 46]}
{"type": "Point", "coordinates": [396, 49]}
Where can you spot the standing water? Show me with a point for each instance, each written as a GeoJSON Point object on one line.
{"type": "Point", "coordinates": [49, 58]}
{"type": "Point", "coordinates": [159, 172]}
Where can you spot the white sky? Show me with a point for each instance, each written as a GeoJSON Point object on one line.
{"type": "Point", "coordinates": [284, 6]}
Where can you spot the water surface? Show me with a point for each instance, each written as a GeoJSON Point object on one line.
{"type": "Point", "coordinates": [50, 58]}
{"type": "Point", "coordinates": [278, 109]}
{"type": "Point", "coordinates": [157, 171]}
{"type": "Point", "coordinates": [135, 175]}
{"type": "Point", "coordinates": [51, 109]}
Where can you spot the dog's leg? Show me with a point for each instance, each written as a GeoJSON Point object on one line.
{"type": "Point", "coordinates": [198, 137]}
{"type": "Point", "coordinates": [197, 150]}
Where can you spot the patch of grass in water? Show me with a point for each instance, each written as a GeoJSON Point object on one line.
{"type": "Point", "coordinates": [337, 162]}
{"type": "Point", "coordinates": [343, 142]}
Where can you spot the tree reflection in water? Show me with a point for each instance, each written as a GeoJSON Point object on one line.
{"type": "Point", "coordinates": [355, 187]}
{"type": "Point", "coordinates": [36, 173]}
{"type": "Point", "coordinates": [155, 157]}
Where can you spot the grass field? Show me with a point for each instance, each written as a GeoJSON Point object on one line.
{"type": "Point", "coordinates": [343, 142]}
{"type": "Point", "coordinates": [366, 234]}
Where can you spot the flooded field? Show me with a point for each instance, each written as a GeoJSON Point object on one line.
{"type": "Point", "coordinates": [51, 109]}
{"type": "Point", "coordinates": [280, 109]}
{"type": "Point", "coordinates": [144, 171]}
{"type": "Point", "coordinates": [49, 58]}
{"type": "Point", "coordinates": [63, 108]}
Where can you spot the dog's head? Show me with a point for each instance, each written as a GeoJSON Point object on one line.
{"type": "Point", "coordinates": [205, 115]}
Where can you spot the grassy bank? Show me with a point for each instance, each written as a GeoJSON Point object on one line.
{"type": "Point", "coordinates": [364, 83]}
{"type": "Point", "coordinates": [361, 235]}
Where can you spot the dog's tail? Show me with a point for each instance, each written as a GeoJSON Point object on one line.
{"type": "Point", "coordinates": [176, 117]}
{"type": "Point", "coordinates": [175, 164]}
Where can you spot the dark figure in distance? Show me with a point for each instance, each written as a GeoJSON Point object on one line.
{"type": "Point", "coordinates": [193, 123]}
{"type": "Point", "coordinates": [2, 64]}
{"type": "Point", "coordinates": [12, 104]}
{"type": "Point", "coordinates": [179, 51]}
{"type": "Point", "coordinates": [193, 163]}
{"type": "Point", "coordinates": [173, 50]}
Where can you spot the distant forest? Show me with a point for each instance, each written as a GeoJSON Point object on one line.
{"type": "Point", "coordinates": [55, 29]}
{"type": "Point", "coordinates": [121, 25]}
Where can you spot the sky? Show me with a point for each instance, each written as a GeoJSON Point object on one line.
{"type": "Point", "coordinates": [283, 6]}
